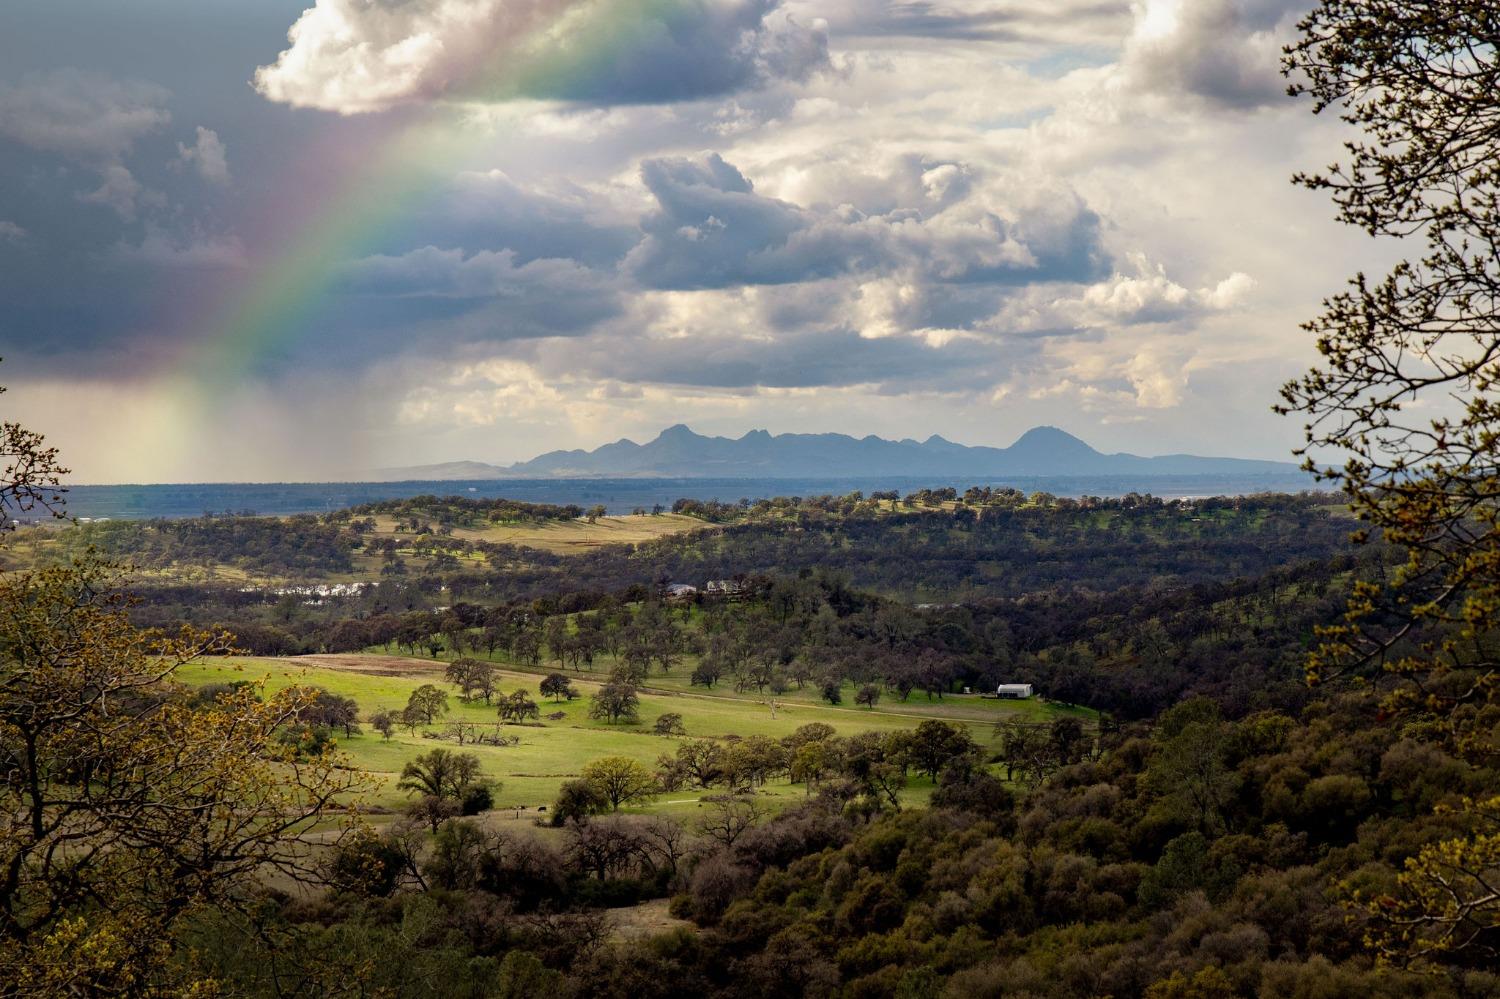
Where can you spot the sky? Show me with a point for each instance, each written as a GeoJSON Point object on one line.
{"type": "Point", "coordinates": [248, 241]}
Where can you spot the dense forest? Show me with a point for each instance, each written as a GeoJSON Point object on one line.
{"type": "Point", "coordinates": [1195, 857]}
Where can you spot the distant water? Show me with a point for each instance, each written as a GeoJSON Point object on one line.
{"type": "Point", "coordinates": [618, 495]}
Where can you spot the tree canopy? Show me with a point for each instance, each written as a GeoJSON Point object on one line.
{"type": "Point", "coordinates": [1406, 392]}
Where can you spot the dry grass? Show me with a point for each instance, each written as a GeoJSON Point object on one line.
{"type": "Point", "coordinates": [372, 665]}
{"type": "Point", "coordinates": [648, 919]}
{"type": "Point", "coordinates": [571, 536]}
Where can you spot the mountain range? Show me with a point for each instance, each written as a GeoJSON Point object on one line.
{"type": "Point", "coordinates": [678, 452]}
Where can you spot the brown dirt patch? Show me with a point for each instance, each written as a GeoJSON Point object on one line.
{"type": "Point", "coordinates": [638, 922]}
{"type": "Point", "coordinates": [373, 665]}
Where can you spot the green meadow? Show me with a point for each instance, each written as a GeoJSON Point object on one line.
{"type": "Point", "coordinates": [554, 750]}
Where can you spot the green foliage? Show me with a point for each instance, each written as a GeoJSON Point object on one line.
{"type": "Point", "coordinates": [669, 723]}
{"type": "Point", "coordinates": [292, 546]}
{"type": "Point", "coordinates": [557, 686]}
{"type": "Point", "coordinates": [463, 511]}
{"type": "Point", "coordinates": [620, 780]}
{"type": "Point", "coordinates": [616, 701]}
{"type": "Point", "coordinates": [523, 976]}
{"type": "Point", "coordinates": [577, 799]}
{"type": "Point", "coordinates": [441, 773]}
{"type": "Point", "coordinates": [426, 705]}
{"type": "Point", "coordinates": [1405, 391]}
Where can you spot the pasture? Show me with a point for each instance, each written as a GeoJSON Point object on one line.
{"type": "Point", "coordinates": [552, 751]}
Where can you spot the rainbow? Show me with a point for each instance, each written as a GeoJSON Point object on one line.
{"type": "Point", "coordinates": [274, 306]}
{"type": "Point", "coordinates": [271, 309]}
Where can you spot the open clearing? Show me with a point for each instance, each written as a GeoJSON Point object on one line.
{"type": "Point", "coordinates": [555, 750]}
{"type": "Point", "coordinates": [569, 537]}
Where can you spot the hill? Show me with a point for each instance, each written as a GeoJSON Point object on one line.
{"type": "Point", "coordinates": [679, 452]}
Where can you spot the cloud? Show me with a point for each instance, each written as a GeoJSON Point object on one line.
{"type": "Point", "coordinates": [206, 155]}
{"type": "Point", "coordinates": [1145, 297]}
{"type": "Point", "coordinates": [159, 248]}
{"type": "Point", "coordinates": [544, 297]}
{"type": "Point", "coordinates": [711, 230]}
{"type": "Point", "coordinates": [358, 56]}
{"type": "Point", "coordinates": [1224, 52]}
{"type": "Point", "coordinates": [559, 219]}
{"type": "Point", "coordinates": [1158, 380]}
{"type": "Point", "coordinates": [120, 191]}
{"type": "Point", "coordinates": [81, 115]}
{"type": "Point", "coordinates": [733, 353]}
{"type": "Point", "coordinates": [1151, 297]}
{"type": "Point", "coordinates": [91, 119]}
{"type": "Point", "coordinates": [968, 216]}
{"type": "Point", "coordinates": [10, 232]}
{"type": "Point", "coordinates": [966, 21]}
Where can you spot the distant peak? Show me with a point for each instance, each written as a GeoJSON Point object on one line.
{"type": "Point", "coordinates": [756, 435]}
{"type": "Point", "coordinates": [1049, 437]}
{"type": "Point", "coordinates": [942, 444]}
{"type": "Point", "coordinates": [676, 430]}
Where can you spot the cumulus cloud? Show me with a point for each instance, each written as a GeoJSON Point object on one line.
{"type": "Point", "coordinates": [1151, 297]}
{"type": "Point", "coordinates": [1226, 52]}
{"type": "Point", "coordinates": [1157, 379]}
{"type": "Point", "coordinates": [206, 155]}
{"type": "Point", "coordinates": [79, 114]}
{"type": "Point", "coordinates": [357, 56]}
{"type": "Point", "coordinates": [711, 229]}
{"type": "Point", "coordinates": [10, 232]}
{"type": "Point", "coordinates": [121, 192]}
{"type": "Point", "coordinates": [1144, 296]}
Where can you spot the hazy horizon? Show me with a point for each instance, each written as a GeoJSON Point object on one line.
{"type": "Point", "coordinates": [334, 475]}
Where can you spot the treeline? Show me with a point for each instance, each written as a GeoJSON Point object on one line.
{"type": "Point", "coordinates": [298, 545]}
{"type": "Point", "coordinates": [463, 511]}
{"type": "Point", "coordinates": [981, 498]}
{"type": "Point", "coordinates": [956, 553]}
{"type": "Point", "coordinates": [962, 554]}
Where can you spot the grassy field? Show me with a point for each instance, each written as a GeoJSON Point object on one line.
{"type": "Point", "coordinates": [566, 537]}
{"type": "Point", "coordinates": [556, 750]}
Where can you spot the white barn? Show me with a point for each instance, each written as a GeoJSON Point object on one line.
{"type": "Point", "coordinates": [1013, 691]}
